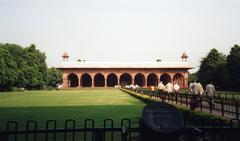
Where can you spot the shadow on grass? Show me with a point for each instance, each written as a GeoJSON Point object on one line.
{"type": "Point", "coordinates": [60, 114]}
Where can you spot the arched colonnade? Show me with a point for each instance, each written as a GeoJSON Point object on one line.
{"type": "Point", "coordinates": [113, 79]}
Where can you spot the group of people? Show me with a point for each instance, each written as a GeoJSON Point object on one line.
{"type": "Point", "coordinates": [169, 87]}
{"type": "Point", "coordinates": [196, 88]}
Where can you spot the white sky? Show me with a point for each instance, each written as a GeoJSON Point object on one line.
{"type": "Point", "coordinates": [122, 30]}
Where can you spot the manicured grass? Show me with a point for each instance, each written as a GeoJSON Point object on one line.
{"type": "Point", "coordinates": [97, 104]}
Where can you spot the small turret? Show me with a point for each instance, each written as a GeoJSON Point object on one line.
{"type": "Point", "coordinates": [184, 57]}
{"type": "Point", "coordinates": [65, 56]}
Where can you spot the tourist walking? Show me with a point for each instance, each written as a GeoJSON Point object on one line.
{"type": "Point", "coordinates": [161, 87]}
{"type": "Point", "coordinates": [176, 88]}
{"type": "Point", "coordinates": [191, 86]}
{"type": "Point", "coordinates": [197, 91]}
{"type": "Point", "coordinates": [197, 88]}
{"type": "Point", "coordinates": [210, 92]}
{"type": "Point", "coordinates": [169, 87]}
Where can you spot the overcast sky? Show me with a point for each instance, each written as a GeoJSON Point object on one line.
{"type": "Point", "coordinates": [122, 30]}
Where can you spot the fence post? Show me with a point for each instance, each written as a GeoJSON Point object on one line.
{"type": "Point", "coordinates": [86, 127]}
{"type": "Point", "coordinates": [98, 135]}
{"type": "Point", "coordinates": [222, 107]}
{"type": "Point", "coordinates": [201, 103]}
{"type": "Point", "coordinates": [158, 95]}
{"type": "Point", "coordinates": [210, 105]}
{"type": "Point", "coordinates": [124, 134]}
{"type": "Point", "coordinates": [15, 129]}
{"type": "Point", "coordinates": [168, 97]}
{"type": "Point", "coordinates": [163, 97]}
{"type": "Point", "coordinates": [105, 127]}
{"type": "Point", "coordinates": [48, 122]}
{"type": "Point", "coordinates": [66, 129]}
{"type": "Point", "coordinates": [176, 98]}
{"type": "Point", "coordinates": [237, 112]}
{"type": "Point", "coordinates": [181, 99]}
{"type": "Point", "coordinates": [186, 100]}
{"type": "Point", "coordinates": [27, 129]}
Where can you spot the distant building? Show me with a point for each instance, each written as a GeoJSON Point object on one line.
{"type": "Point", "coordinates": [109, 74]}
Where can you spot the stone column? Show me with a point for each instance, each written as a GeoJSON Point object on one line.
{"type": "Point", "coordinates": [105, 82]}
{"type": "Point", "coordinates": [65, 81]}
{"type": "Point", "coordinates": [171, 76]}
{"type": "Point", "coordinates": [119, 81]}
{"type": "Point", "coordinates": [92, 81]}
{"type": "Point", "coordinates": [186, 80]}
{"type": "Point", "coordinates": [79, 81]}
{"type": "Point", "coordinates": [159, 76]}
{"type": "Point", "coordinates": [118, 78]}
{"type": "Point", "coordinates": [132, 82]}
{"type": "Point", "coordinates": [145, 81]}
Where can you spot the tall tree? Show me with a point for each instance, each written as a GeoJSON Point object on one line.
{"type": "Point", "coordinates": [54, 77]}
{"type": "Point", "coordinates": [22, 67]}
{"type": "Point", "coordinates": [36, 64]}
{"type": "Point", "coordinates": [8, 69]}
{"type": "Point", "coordinates": [193, 77]}
{"type": "Point", "coordinates": [233, 65]}
{"type": "Point", "coordinates": [17, 54]}
{"type": "Point", "coordinates": [212, 67]}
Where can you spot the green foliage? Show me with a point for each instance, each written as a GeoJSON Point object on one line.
{"type": "Point", "coordinates": [233, 65]}
{"type": "Point", "coordinates": [193, 77]}
{"type": "Point", "coordinates": [8, 75]}
{"type": "Point", "coordinates": [223, 71]}
{"type": "Point", "coordinates": [22, 67]}
{"type": "Point", "coordinates": [212, 66]}
{"type": "Point", "coordinates": [54, 77]}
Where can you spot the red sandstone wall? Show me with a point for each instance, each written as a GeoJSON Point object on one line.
{"type": "Point", "coordinates": [118, 72]}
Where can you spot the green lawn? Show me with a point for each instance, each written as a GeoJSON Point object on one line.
{"type": "Point", "coordinates": [97, 104]}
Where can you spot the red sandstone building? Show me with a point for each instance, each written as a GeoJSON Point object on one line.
{"type": "Point", "coordinates": [109, 74]}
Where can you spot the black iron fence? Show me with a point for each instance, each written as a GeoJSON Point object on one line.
{"type": "Point", "coordinates": [200, 130]}
{"type": "Point", "coordinates": [70, 132]}
{"type": "Point", "coordinates": [222, 106]}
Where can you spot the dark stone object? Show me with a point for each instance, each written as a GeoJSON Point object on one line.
{"type": "Point", "coordinates": [161, 121]}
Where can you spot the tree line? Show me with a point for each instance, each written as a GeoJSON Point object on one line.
{"type": "Point", "coordinates": [220, 69]}
{"type": "Point", "coordinates": [25, 67]}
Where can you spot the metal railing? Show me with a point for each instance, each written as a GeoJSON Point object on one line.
{"type": "Point", "coordinates": [222, 106]}
{"type": "Point", "coordinates": [89, 132]}
{"type": "Point", "coordinates": [110, 132]}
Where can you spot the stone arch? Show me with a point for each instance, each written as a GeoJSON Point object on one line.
{"type": "Point", "coordinates": [112, 80]}
{"type": "Point", "coordinates": [165, 78]}
{"type": "Point", "coordinates": [99, 80]}
{"type": "Point", "coordinates": [125, 79]}
{"type": "Point", "coordinates": [72, 80]}
{"type": "Point", "coordinates": [139, 80]}
{"type": "Point", "coordinates": [152, 79]}
{"type": "Point", "coordinates": [86, 80]}
{"type": "Point", "coordinates": [179, 79]}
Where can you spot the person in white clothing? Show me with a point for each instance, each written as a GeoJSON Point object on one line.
{"type": "Point", "coordinates": [169, 87]}
{"type": "Point", "coordinates": [161, 87]}
{"type": "Point", "coordinates": [176, 87]}
{"type": "Point", "coordinates": [210, 92]}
